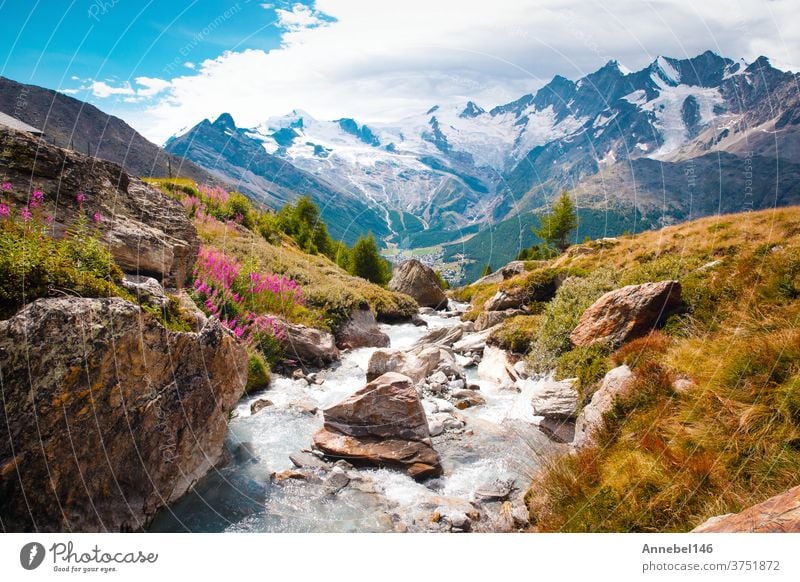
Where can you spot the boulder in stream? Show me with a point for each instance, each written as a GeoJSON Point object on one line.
{"type": "Point", "coordinates": [420, 282]}
{"type": "Point", "coordinates": [361, 331]}
{"type": "Point", "coordinates": [383, 424]}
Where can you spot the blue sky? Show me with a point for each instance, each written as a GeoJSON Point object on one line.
{"type": "Point", "coordinates": [163, 66]}
{"type": "Point", "coordinates": [47, 42]}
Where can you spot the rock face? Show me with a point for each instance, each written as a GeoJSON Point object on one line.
{"type": "Point", "coordinates": [383, 424]}
{"type": "Point", "coordinates": [420, 282]}
{"type": "Point", "coordinates": [147, 232]}
{"type": "Point", "coordinates": [626, 313]}
{"type": "Point", "coordinates": [361, 331]}
{"type": "Point", "coordinates": [110, 415]}
{"type": "Point", "coordinates": [616, 383]}
{"type": "Point", "coordinates": [779, 514]}
{"type": "Point", "coordinates": [308, 345]}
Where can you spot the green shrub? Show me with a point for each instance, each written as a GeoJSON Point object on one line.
{"type": "Point", "coordinates": [516, 334]}
{"type": "Point", "coordinates": [560, 316]}
{"type": "Point", "coordinates": [588, 364]}
{"type": "Point", "coordinates": [33, 264]}
{"type": "Point", "coordinates": [257, 373]}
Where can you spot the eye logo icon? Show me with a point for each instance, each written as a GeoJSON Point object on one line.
{"type": "Point", "coordinates": [31, 555]}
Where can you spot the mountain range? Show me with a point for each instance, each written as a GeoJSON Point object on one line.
{"type": "Point", "coordinates": [678, 139]}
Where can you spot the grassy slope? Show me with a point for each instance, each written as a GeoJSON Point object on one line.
{"type": "Point", "coordinates": [331, 292]}
{"type": "Point", "coordinates": [671, 459]}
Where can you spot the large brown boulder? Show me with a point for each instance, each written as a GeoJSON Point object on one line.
{"type": "Point", "coordinates": [420, 282]}
{"type": "Point", "coordinates": [779, 514]}
{"type": "Point", "coordinates": [382, 424]}
{"type": "Point", "coordinates": [147, 232]}
{"type": "Point", "coordinates": [308, 345]}
{"type": "Point", "coordinates": [626, 313]}
{"type": "Point", "coordinates": [361, 331]}
{"type": "Point", "coordinates": [108, 415]}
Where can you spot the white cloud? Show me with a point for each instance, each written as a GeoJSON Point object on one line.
{"type": "Point", "coordinates": [150, 86]}
{"type": "Point", "coordinates": [102, 89]}
{"type": "Point", "coordinates": [299, 18]}
{"type": "Point", "coordinates": [189, 65]}
{"type": "Point", "coordinates": [379, 60]}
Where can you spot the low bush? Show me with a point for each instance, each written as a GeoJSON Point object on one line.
{"type": "Point", "coordinates": [34, 264]}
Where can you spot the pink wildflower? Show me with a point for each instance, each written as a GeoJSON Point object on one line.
{"type": "Point", "coordinates": [97, 217]}
{"type": "Point", "coordinates": [5, 210]}
{"type": "Point", "coordinates": [6, 186]}
{"type": "Point", "coordinates": [25, 213]}
{"type": "Point", "coordinates": [80, 197]}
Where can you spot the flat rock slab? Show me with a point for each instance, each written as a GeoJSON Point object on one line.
{"type": "Point", "coordinates": [418, 459]}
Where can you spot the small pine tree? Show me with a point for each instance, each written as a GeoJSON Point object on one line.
{"type": "Point", "coordinates": [487, 270]}
{"type": "Point", "coordinates": [367, 263]}
{"type": "Point", "coordinates": [556, 226]}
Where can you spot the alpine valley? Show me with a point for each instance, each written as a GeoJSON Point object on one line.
{"type": "Point", "coordinates": [461, 186]}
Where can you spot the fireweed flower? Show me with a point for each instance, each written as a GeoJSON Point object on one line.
{"type": "Point", "coordinates": [5, 210]}
{"type": "Point", "coordinates": [236, 297]}
{"type": "Point", "coordinates": [36, 198]}
{"type": "Point", "coordinates": [6, 186]}
{"type": "Point", "coordinates": [97, 217]}
{"type": "Point", "coordinates": [25, 214]}
{"type": "Point", "coordinates": [80, 198]}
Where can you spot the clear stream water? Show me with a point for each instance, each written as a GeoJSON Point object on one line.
{"type": "Point", "coordinates": [500, 440]}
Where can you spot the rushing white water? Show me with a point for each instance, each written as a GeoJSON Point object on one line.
{"type": "Point", "coordinates": [501, 442]}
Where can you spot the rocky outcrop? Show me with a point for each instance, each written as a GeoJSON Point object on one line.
{"type": "Point", "coordinates": [147, 232]}
{"type": "Point", "coordinates": [420, 282]}
{"type": "Point", "coordinates": [616, 383]}
{"type": "Point", "coordinates": [626, 313]}
{"type": "Point", "coordinates": [361, 331]}
{"type": "Point", "coordinates": [383, 424]}
{"type": "Point", "coordinates": [779, 514]}
{"type": "Point", "coordinates": [508, 271]}
{"type": "Point", "coordinates": [110, 416]}
{"type": "Point", "coordinates": [308, 345]}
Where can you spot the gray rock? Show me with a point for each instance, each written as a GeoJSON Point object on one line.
{"type": "Point", "coordinates": [259, 405]}
{"type": "Point", "coordinates": [559, 430]}
{"type": "Point", "coordinates": [147, 290]}
{"type": "Point", "coordinates": [555, 399]}
{"type": "Point", "coordinates": [616, 383]}
{"type": "Point", "coordinates": [306, 460]}
{"type": "Point", "coordinates": [308, 345]}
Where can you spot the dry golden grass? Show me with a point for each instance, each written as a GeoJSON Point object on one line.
{"type": "Point", "coordinates": [670, 459]}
